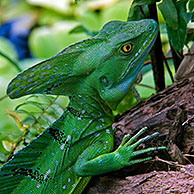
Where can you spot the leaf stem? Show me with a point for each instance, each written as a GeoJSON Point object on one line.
{"type": "Point", "coordinates": [168, 68]}
{"type": "Point", "coordinates": [3, 97]}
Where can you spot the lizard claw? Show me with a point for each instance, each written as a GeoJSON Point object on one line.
{"type": "Point", "coordinates": [128, 146]}
{"type": "Point", "coordinates": [148, 137]}
{"type": "Point", "coordinates": [135, 137]}
{"type": "Point", "coordinates": [125, 139]}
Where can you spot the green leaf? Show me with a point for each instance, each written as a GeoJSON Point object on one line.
{"type": "Point", "coordinates": [178, 37]}
{"type": "Point", "coordinates": [7, 48]}
{"type": "Point", "coordinates": [30, 114]}
{"type": "Point", "coordinates": [41, 39]}
{"type": "Point", "coordinates": [117, 12]}
{"type": "Point", "coordinates": [59, 109]}
{"type": "Point", "coordinates": [43, 97]}
{"type": "Point", "coordinates": [191, 5]}
{"type": "Point", "coordinates": [34, 103]}
{"type": "Point", "coordinates": [137, 13]}
{"type": "Point", "coordinates": [169, 12]}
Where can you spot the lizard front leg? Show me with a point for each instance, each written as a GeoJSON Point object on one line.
{"type": "Point", "coordinates": [96, 160]}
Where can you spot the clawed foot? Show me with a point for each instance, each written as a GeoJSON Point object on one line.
{"type": "Point", "coordinates": [126, 152]}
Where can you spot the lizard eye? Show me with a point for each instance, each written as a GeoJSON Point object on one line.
{"type": "Point", "coordinates": [126, 48]}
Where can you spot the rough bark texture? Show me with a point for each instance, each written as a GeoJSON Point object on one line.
{"type": "Point", "coordinates": [181, 181]}
{"type": "Point", "coordinates": [171, 112]}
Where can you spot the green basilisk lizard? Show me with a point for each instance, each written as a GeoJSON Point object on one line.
{"type": "Point", "coordinates": [96, 74]}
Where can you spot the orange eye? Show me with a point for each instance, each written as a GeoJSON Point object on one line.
{"type": "Point", "coordinates": [127, 48]}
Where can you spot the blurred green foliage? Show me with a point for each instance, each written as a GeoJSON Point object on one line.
{"type": "Point", "coordinates": [50, 23]}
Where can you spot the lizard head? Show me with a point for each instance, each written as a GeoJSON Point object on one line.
{"type": "Point", "coordinates": [105, 65]}
{"type": "Point", "coordinates": [124, 54]}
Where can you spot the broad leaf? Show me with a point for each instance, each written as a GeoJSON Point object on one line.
{"type": "Point", "coordinates": [169, 12]}
{"type": "Point", "coordinates": [137, 13]}
{"type": "Point", "coordinates": [177, 36]}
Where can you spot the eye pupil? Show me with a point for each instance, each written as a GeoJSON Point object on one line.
{"type": "Point", "coordinates": [127, 48]}
{"type": "Point", "coordinates": [150, 28]}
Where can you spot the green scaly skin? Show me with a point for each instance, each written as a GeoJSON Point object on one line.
{"type": "Point", "coordinates": [96, 73]}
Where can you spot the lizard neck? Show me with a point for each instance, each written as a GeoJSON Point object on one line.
{"type": "Point", "coordinates": [95, 107]}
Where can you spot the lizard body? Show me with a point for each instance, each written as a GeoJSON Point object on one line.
{"type": "Point", "coordinates": [96, 73]}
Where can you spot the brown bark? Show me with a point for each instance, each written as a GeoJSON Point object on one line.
{"type": "Point", "coordinates": [180, 181]}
